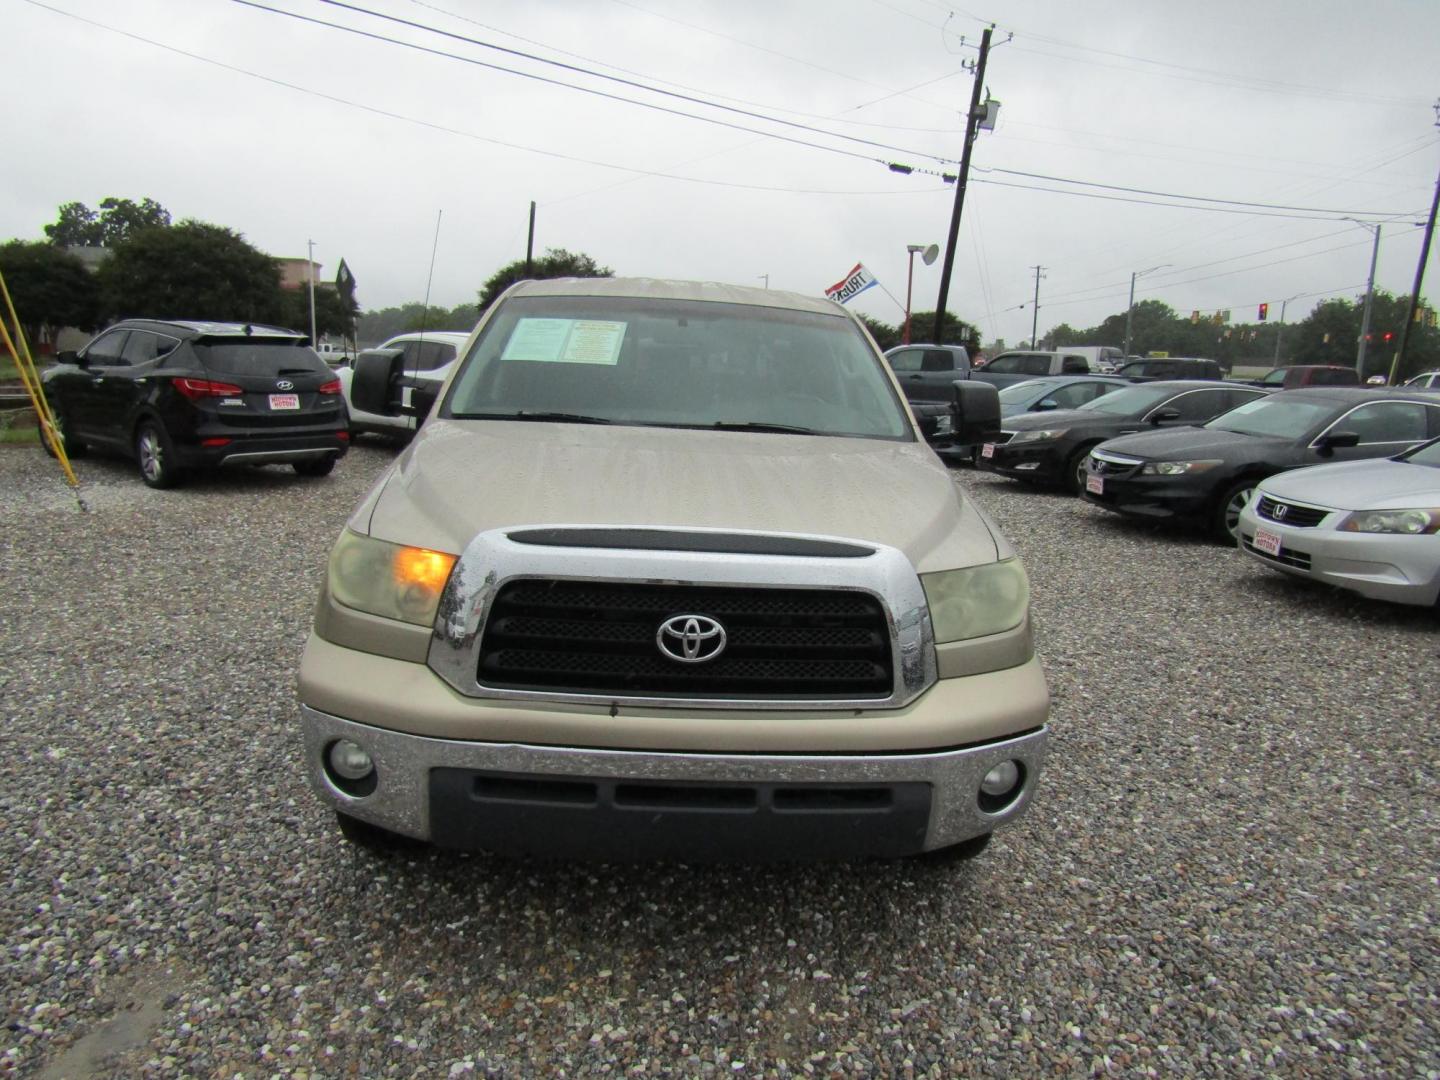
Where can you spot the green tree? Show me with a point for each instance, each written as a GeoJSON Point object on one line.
{"type": "Point", "coordinates": [50, 289]}
{"type": "Point", "coordinates": [116, 220]}
{"type": "Point", "coordinates": [885, 335]}
{"type": "Point", "coordinates": [956, 330]}
{"type": "Point", "coordinates": [193, 270]}
{"type": "Point", "coordinates": [555, 263]}
{"type": "Point", "coordinates": [334, 313]}
{"type": "Point", "coordinates": [1065, 334]}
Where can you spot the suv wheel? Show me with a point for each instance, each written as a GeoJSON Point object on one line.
{"type": "Point", "coordinates": [317, 467]}
{"type": "Point", "coordinates": [1226, 524]}
{"type": "Point", "coordinates": [74, 448]}
{"type": "Point", "coordinates": [156, 455]}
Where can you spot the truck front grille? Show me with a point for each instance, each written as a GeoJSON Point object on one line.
{"type": "Point", "coordinates": [587, 637]}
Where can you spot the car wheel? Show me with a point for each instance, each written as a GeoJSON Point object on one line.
{"type": "Point", "coordinates": [319, 467]}
{"type": "Point", "coordinates": [1075, 470]}
{"type": "Point", "coordinates": [1226, 525]}
{"type": "Point", "coordinates": [373, 838]}
{"type": "Point", "coordinates": [74, 448]}
{"type": "Point", "coordinates": [956, 853]}
{"type": "Point", "coordinates": [156, 455]}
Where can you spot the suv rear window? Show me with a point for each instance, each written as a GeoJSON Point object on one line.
{"type": "Point", "coordinates": [249, 357]}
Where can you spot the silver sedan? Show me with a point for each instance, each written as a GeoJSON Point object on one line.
{"type": "Point", "coordinates": [1369, 526]}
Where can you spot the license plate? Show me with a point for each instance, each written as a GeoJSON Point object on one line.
{"type": "Point", "coordinates": [988, 450]}
{"type": "Point", "coordinates": [1095, 484]}
{"type": "Point", "coordinates": [1268, 542]}
{"type": "Point", "coordinates": [284, 401]}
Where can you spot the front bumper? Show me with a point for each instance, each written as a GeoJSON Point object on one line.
{"type": "Point", "coordinates": [1155, 497]}
{"type": "Point", "coordinates": [1038, 462]}
{"type": "Point", "coordinates": [1400, 569]}
{"type": "Point", "coordinates": [519, 798]}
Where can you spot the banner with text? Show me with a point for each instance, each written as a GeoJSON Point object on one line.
{"type": "Point", "coordinates": [852, 285]}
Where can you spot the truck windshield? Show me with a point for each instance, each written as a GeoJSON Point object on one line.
{"type": "Point", "coordinates": [676, 363]}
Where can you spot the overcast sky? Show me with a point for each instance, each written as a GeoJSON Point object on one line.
{"type": "Point", "coordinates": [288, 131]}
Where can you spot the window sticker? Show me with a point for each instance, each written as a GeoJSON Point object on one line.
{"type": "Point", "coordinates": [566, 341]}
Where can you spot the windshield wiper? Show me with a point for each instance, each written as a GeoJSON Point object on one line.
{"type": "Point", "coordinates": [748, 425]}
{"type": "Point", "coordinates": [525, 414]}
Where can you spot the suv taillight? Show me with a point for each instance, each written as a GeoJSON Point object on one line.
{"type": "Point", "coordinates": [331, 387]}
{"type": "Point", "coordinates": [195, 389]}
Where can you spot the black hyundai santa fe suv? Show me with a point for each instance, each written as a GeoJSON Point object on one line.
{"type": "Point", "coordinates": [183, 395]}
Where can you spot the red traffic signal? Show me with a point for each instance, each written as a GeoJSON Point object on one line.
{"type": "Point", "coordinates": [1388, 335]}
{"type": "Point", "coordinates": [1264, 310]}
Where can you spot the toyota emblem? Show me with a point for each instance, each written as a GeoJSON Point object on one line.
{"type": "Point", "coordinates": [284, 384]}
{"type": "Point", "coordinates": [691, 639]}
{"type": "Point", "coordinates": [1278, 511]}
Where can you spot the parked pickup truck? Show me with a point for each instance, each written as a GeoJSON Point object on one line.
{"type": "Point", "coordinates": [1012, 367]}
{"type": "Point", "coordinates": [334, 355]}
{"type": "Point", "coordinates": [667, 573]}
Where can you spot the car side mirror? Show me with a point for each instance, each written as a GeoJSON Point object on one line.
{"type": "Point", "coordinates": [371, 385]}
{"type": "Point", "coordinates": [1337, 440]}
{"type": "Point", "coordinates": [1045, 406]}
{"type": "Point", "coordinates": [422, 401]}
{"type": "Point", "coordinates": [976, 406]}
{"type": "Point", "coordinates": [70, 356]}
{"type": "Point", "coordinates": [1164, 415]}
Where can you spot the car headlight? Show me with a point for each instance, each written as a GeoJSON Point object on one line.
{"type": "Point", "coordinates": [1176, 468]}
{"type": "Point", "coordinates": [978, 600]}
{"type": "Point", "coordinates": [389, 580]}
{"type": "Point", "coordinates": [1038, 436]}
{"type": "Point", "coordinates": [1413, 522]}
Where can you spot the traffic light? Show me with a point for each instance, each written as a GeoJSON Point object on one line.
{"type": "Point", "coordinates": [1388, 337]}
{"type": "Point", "coordinates": [1264, 310]}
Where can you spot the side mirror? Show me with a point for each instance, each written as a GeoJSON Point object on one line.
{"type": "Point", "coordinates": [1045, 405]}
{"type": "Point", "coordinates": [1337, 440]}
{"type": "Point", "coordinates": [70, 356]}
{"type": "Point", "coordinates": [375, 374]}
{"type": "Point", "coordinates": [1164, 415]}
{"type": "Point", "coordinates": [976, 412]}
{"type": "Point", "coordinates": [422, 401]}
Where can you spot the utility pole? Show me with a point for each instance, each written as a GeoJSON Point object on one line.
{"type": "Point", "coordinates": [765, 277]}
{"type": "Point", "coordinates": [530, 243]}
{"type": "Point", "coordinates": [1369, 300]}
{"type": "Point", "coordinates": [972, 120]}
{"type": "Point", "coordinates": [1035, 319]}
{"type": "Point", "coordinates": [1280, 330]}
{"type": "Point", "coordinates": [1399, 362]}
{"type": "Point", "coordinates": [310, 273]}
{"type": "Point", "coordinates": [1130, 308]}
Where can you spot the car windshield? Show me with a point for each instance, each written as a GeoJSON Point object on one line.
{"type": "Point", "coordinates": [259, 357]}
{"type": "Point", "coordinates": [1132, 401]}
{"type": "Point", "coordinates": [1023, 393]}
{"type": "Point", "coordinates": [1273, 417]}
{"type": "Point", "coordinates": [676, 363]}
{"type": "Point", "coordinates": [1429, 454]}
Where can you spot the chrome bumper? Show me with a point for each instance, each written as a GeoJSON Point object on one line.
{"type": "Point", "coordinates": [401, 799]}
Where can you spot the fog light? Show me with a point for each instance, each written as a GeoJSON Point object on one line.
{"type": "Point", "coordinates": [350, 760]}
{"type": "Point", "coordinates": [1027, 466]}
{"type": "Point", "coordinates": [1000, 780]}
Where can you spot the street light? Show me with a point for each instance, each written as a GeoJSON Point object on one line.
{"type": "Point", "coordinates": [1131, 308]}
{"type": "Point", "coordinates": [931, 253]}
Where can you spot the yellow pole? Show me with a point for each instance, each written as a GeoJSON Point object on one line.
{"type": "Point", "coordinates": [25, 364]}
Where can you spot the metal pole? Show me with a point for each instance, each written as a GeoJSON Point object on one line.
{"type": "Point", "coordinates": [1035, 321]}
{"type": "Point", "coordinates": [1369, 299]}
{"type": "Point", "coordinates": [909, 286]}
{"type": "Point", "coordinates": [530, 243]}
{"type": "Point", "coordinates": [310, 273]}
{"type": "Point", "coordinates": [1280, 332]}
{"type": "Point", "coordinates": [1130, 310]}
{"type": "Point", "coordinates": [971, 120]}
{"type": "Point", "coordinates": [1419, 279]}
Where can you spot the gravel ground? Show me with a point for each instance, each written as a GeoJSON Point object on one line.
{"type": "Point", "coordinates": [1230, 868]}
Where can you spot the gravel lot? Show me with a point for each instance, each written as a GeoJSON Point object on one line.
{"type": "Point", "coordinates": [1230, 869]}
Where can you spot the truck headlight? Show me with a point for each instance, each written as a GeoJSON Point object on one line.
{"type": "Point", "coordinates": [1038, 436]}
{"type": "Point", "coordinates": [977, 601]}
{"type": "Point", "coordinates": [389, 580]}
{"type": "Point", "coordinates": [1411, 522]}
{"type": "Point", "coordinates": [1176, 468]}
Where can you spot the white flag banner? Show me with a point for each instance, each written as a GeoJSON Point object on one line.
{"type": "Point", "coordinates": [853, 284]}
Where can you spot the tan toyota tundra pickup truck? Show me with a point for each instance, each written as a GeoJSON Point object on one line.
{"type": "Point", "coordinates": [670, 572]}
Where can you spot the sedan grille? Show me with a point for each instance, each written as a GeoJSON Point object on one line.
{"type": "Point", "coordinates": [1298, 517]}
{"type": "Point", "coordinates": [586, 637]}
{"type": "Point", "coordinates": [1110, 465]}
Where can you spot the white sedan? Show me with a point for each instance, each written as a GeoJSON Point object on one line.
{"type": "Point", "coordinates": [1369, 526]}
{"type": "Point", "coordinates": [427, 358]}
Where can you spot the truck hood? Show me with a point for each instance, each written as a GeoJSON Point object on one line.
{"type": "Point", "coordinates": [463, 477]}
{"type": "Point", "coordinates": [1380, 484]}
{"type": "Point", "coordinates": [1192, 443]}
